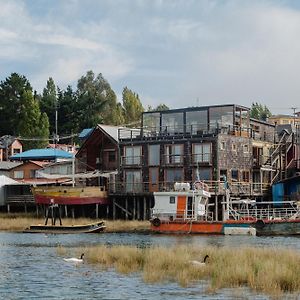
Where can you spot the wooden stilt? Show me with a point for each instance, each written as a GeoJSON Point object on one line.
{"type": "Point", "coordinates": [8, 208]}
{"type": "Point", "coordinates": [114, 208]}
{"type": "Point", "coordinates": [107, 211]}
{"type": "Point", "coordinates": [66, 211]}
{"type": "Point", "coordinates": [97, 211]}
{"type": "Point", "coordinates": [126, 207]}
{"type": "Point", "coordinates": [134, 209]}
{"type": "Point", "coordinates": [37, 209]}
{"type": "Point", "coordinates": [73, 213]}
{"type": "Point", "coordinates": [25, 207]}
{"type": "Point", "coordinates": [145, 209]}
{"type": "Point", "coordinates": [138, 209]}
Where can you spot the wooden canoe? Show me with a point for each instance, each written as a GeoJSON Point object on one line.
{"type": "Point", "coordinates": [88, 228]}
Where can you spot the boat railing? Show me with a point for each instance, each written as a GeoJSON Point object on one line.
{"type": "Point", "coordinates": [264, 213]}
{"type": "Point", "coordinates": [185, 215]}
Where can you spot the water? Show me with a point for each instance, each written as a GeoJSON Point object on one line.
{"type": "Point", "coordinates": [30, 267]}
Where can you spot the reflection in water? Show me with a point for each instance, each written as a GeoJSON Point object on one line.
{"type": "Point", "coordinates": [31, 268]}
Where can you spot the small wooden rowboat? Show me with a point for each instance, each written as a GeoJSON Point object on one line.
{"type": "Point", "coordinates": [88, 228]}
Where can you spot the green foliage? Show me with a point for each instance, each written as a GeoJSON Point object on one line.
{"type": "Point", "coordinates": [133, 107]}
{"type": "Point", "coordinates": [33, 123]}
{"type": "Point", "coordinates": [12, 91]}
{"type": "Point", "coordinates": [48, 102]}
{"type": "Point", "coordinates": [260, 112]}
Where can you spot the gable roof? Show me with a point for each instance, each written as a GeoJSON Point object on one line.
{"type": "Point", "coordinates": [110, 130]}
{"type": "Point", "coordinates": [42, 154]}
{"type": "Point", "coordinates": [7, 140]}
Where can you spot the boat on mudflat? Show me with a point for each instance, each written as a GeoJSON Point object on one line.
{"type": "Point", "coordinates": [186, 210]}
{"type": "Point", "coordinates": [56, 229]}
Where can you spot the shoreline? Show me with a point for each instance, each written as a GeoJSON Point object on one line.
{"type": "Point", "coordinates": [17, 223]}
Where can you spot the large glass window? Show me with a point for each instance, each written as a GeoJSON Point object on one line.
{"type": "Point", "coordinates": [151, 121]}
{"type": "Point", "coordinates": [174, 175]}
{"type": "Point", "coordinates": [133, 155]}
{"type": "Point", "coordinates": [202, 152]}
{"type": "Point", "coordinates": [174, 154]}
{"type": "Point", "coordinates": [154, 154]}
{"type": "Point", "coordinates": [133, 181]}
{"type": "Point", "coordinates": [196, 121]}
{"type": "Point", "coordinates": [203, 173]}
{"type": "Point", "coordinates": [172, 122]}
{"type": "Point", "coordinates": [220, 117]}
{"type": "Point", "coordinates": [18, 174]}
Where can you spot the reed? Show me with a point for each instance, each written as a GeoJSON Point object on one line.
{"type": "Point", "coordinates": [270, 271]}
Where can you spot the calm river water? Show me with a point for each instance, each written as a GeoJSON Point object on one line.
{"type": "Point", "coordinates": [30, 267]}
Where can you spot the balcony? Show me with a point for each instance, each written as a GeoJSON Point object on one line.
{"type": "Point", "coordinates": [132, 160]}
{"type": "Point", "coordinates": [201, 158]}
{"type": "Point", "coordinates": [173, 159]}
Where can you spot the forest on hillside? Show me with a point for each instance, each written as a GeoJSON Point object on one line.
{"type": "Point", "coordinates": [31, 116]}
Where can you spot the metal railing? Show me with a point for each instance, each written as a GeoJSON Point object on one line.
{"type": "Point", "coordinates": [186, 215]}
{"type": "Point", "coordinates": [131, 160]}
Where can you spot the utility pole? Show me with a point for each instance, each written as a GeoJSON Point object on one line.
{"type": "Point", "coordinates": [294, 112]}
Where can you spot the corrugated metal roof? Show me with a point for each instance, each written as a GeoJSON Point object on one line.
{"type": "Point", "coordinates": [111, 130]}
{"type": "Point", "coordinates": [8, 165]}
{"type": "Point", "coordinates": [42, 154]}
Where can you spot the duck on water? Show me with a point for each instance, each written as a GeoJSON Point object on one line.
{"type": "Point", "coordinates": [74, 259]}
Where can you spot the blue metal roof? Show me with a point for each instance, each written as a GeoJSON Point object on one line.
{"type": "Point", "coordinates": [85, 133]}
{"type": "Point", "coordinates": [41, 154]}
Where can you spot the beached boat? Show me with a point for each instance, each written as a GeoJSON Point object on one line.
{"type": "Point", "coordinates": [88, 228]}
{"type": "Point", "coordinates": [69, 195]}
{"type": "Point", "coordinates": [186, 210]}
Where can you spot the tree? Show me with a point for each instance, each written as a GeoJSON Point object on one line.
{"type": "Point", "coordinates": [32, 123]}
{"type": "Point", "coordinates": [260, 112]}
{"type": "Point", "coordinates": [12, 91]}
{"type": "Point", "coordinates": [49, 102]}
{"type": "Point", "coordinates": [159, 107]}
{"type": "Point", "coordinates": [132, 105]}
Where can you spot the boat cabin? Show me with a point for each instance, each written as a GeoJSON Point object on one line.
{"type": "Point", "coordinates": [182, 204]}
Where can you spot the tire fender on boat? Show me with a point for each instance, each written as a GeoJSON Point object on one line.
{"type": "Point", "coordinates": [260, 224]}
{"type": "Point", "coordinates": [156, 222]}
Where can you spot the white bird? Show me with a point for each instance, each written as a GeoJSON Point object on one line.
{"type": "Point", "coordinates": [199, 263]}
{"type": "Point", "coordinates": [74, 259]}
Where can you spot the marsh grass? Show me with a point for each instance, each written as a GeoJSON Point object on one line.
{"type": "Point", "coordinates": [18, 222]}
{"type": "Point", "coordinates": [266, 270]}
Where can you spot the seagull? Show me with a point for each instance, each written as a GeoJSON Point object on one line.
{"type": "Point", "coordinates": [74, 259]}
{"type": "Point", "coordinates": [198, 263]}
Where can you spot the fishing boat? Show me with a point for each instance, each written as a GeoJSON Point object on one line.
{"type": "Point", "coordinates": [186, 210]}
{"type": "Point", "coordinates": [88, 228]}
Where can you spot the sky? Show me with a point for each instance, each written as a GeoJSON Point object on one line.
{"type": "Point", "coordinates": [181, 53]}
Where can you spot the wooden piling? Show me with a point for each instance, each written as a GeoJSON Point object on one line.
{"type": "Point", "coordinates": [97, 211]}
{"type": "Point", "coordinates": [134, 209]}
{"type": "Point", "coordinates": [145, 209]}
{"type": "Point", "coordinates": [126, 207]}
{"type": "Point", "coordinates": [66, 211]}
{"type": "Point", "coordinates": [114, 208]}
{"type": "Point", "coordinates": [138, 209]}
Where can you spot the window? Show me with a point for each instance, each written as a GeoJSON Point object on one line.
{"type": "Point", "coordinates": [196, 121]}
{"type": "Point", "coordinates": [246, 148]}
{"type": "Point", "coordinates": [18, 174]}
{"type": "Point", "coordinates": [203, 173]}
{"type": "Point", "coordinates": [133, 180]}
{"type": "Point", "coordinates": [32, 173]}
{"type": "Point", "coordinates": [173, 175]}
{"type": "Point", "coordinates": [151, 121]}
{"type": "Point", "coordinates": [133, 155]}
{"type": "Point", "coordinates": [172, 122]}
{"type": "Point", "coordinates": [172, 200]}
{"type": "Point", "coordinates": [154, 155]}
{"type": "Point", "coordinates": [245, 176]}
{"type": "Point", "coordinates": [202, 152]}
{"type": "Point", "coordinates": [16, 151]}
{"type": "Point", "coordinates": [220, 117]}
{"type": "Point", "coordinates": [174, 154]}
{"type": "Point", "coordinates": [111, 156]}
{"type": "Point", "coordinates": [223, 145]}
{"type": "Point", "coordinates": [234, 175]}
{"type": "Point", "coordinates": [233, 147]}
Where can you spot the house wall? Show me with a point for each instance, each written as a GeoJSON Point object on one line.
{"type": "Point", "coordinates": [27, 167]}
{"type": "Point", "coordinates": [1, 154]}
{"type": "Point", "coordinates": [15, 148]}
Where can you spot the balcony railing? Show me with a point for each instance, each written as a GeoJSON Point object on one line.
{"type": "Point", "coordinates": [201, 158]}
{"type": "Point", "coordinates": [191, 130]}
{"type": "Point", "coordinates": [132, 160]}
{"type": "Point", "coordinates": [215, 187]}
{"type": "Point", "coordinates": [173, 159]}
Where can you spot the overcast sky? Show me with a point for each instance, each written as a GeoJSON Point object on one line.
{"type": "Point", "coordinates": [181, 53]}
